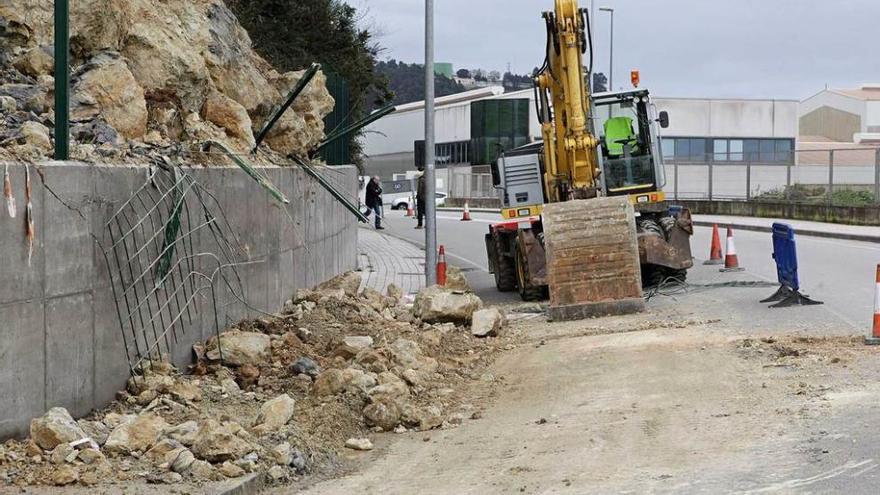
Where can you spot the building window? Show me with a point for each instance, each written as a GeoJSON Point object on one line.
{"type": "Point", "coordinates": [724, 150]}
{"type": "Point", "coordinates": [721, 150]}
{"type": "Point", "coordinates": [736, 150]}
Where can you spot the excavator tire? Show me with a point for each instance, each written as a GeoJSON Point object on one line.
{"type": "Point", "coordinates": [505, 266]}
{"type": "Point", "coordinates": [527, 291]}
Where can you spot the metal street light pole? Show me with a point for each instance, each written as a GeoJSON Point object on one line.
{"type": "Point", "coordinates": [62, 80]}
{"type": "Point", "coordinates": [430, 180]}
{"type": "Point", "coordinates": [610, 58]}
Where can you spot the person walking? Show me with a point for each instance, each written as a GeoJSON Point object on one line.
{"type": "Point", "coordinates": [373, 200]}
{"type": "Point", "coordinates": [420, 201]}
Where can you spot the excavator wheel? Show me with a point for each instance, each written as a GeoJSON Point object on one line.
{"type": "Point", "coordinates": [505, 266]}
{"type": "Point", "coordinates": [527, 291]}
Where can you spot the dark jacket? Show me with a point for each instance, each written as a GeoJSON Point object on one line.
{"type": "Point", "coordinates": [421, 189]}
{"type": "Point", "coordinates": [374, 195]}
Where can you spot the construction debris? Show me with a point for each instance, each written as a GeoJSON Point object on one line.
{"type": "Point", "coordinates": [150, 78]}
{"type": "Point", "coordinates": [287, 397]}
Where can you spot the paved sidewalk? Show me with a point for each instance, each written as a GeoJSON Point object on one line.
{"type": "Point", "coordinates": [384, 259]}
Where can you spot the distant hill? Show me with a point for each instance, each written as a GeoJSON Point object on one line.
{"type": "Point", "coordinates": [407, 82]}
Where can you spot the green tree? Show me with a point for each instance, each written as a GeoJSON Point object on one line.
{"type": "Point", "coordinates": [407, 81]}
{"type": "Point", "coordinates": [292, 34]}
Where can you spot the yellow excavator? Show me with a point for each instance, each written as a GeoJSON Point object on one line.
{"type": "Point", "coordinates": [594, 146]}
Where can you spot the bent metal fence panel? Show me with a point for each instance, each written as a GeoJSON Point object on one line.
{"type": "Point", "coordinates": [168, 249]}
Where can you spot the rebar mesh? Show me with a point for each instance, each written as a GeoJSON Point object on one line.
{"type": "Point", "coordinates": [168, 249]}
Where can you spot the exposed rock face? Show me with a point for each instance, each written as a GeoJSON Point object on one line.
{"type": "Point", "coordinates": [106, 86]}
{"type": "Point", "coordinates": [439, 305]}
{"type": "Point", "coordinates": [55, 427]}
{"type": "Point", "coordinates": [189, 58]}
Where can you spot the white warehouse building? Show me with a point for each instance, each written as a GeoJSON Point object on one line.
{"type": "Point", "coordinates": [719, 130]}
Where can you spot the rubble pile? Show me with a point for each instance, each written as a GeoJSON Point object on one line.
{"type": "Point", "coordinates": [282, 395]}
{"type": "Point", "coordinates": [149, 78]}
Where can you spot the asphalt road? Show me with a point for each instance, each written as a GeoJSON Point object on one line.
{"type": "Point", "coordinates": [840, 273]}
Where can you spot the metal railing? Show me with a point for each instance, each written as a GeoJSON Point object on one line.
{"type": "Point", "coordinates": [835, 177]}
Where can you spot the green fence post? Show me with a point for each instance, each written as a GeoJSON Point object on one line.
{"type": "Point", "coordinates": [62, 80]}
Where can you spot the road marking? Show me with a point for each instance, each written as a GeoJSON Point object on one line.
{"type": "Point", "coordinates": [796, 483]}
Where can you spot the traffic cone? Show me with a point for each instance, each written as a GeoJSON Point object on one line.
{"type": "Point", "coordinates": [409, 208]}
{"type": "Point", "coordinates": [874, 339]}
{"type": "Point", "coordinates": [731, 260]}
{"type": "Point", "coordinates": [466, 216]}
{"type": "Point", "coordinates": [441, 267]}
{"type": "Point", "coordinates": [715, 257]}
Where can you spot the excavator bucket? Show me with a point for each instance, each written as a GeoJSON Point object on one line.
{"type": "Point", "coordinates": [592, 258]}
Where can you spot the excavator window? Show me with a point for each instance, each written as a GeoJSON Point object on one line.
{"type": "Point", "coordinates": [626, 146]}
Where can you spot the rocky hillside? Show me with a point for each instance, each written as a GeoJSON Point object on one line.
{"type": "Point", "coordinates": [148, 77]}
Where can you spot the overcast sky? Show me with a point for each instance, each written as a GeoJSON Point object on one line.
{"type": "Point", "coordinates": [689, 48]}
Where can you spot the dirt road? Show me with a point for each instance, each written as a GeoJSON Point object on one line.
{"type": "Point", "coordinates": [688, 408]}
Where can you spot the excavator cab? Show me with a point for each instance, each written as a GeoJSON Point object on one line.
{"type": "Point", "coordinates": [630, 156]}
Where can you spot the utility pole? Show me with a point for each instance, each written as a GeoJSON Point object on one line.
{"type": "Point", "coordinates": [62, 80]}
{"type": "Point", "coordinates": [611, 56]}
{"type": "Point", "coordinates": [430, 176]}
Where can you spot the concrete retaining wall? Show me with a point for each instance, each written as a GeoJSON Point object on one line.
{"type": "Point", "coordinates": [60, 338]}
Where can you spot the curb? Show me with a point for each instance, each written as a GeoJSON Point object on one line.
{"type": "Point", "coordinates": [741, 226]}
{"type": "Point", "coordinates": [473, 210]}
{"type": "Point", "coordinates": [806, 232]}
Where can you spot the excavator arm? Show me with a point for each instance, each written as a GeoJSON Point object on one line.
{"type": "Point", "coordinates": [570, 164]}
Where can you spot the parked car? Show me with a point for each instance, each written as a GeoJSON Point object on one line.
{"type": "Point", "coordinates": [403, 203]}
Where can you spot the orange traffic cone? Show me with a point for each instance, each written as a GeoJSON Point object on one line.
{"type": "Point", "coordinates": [874, 339]}
{"type": "Point", "coordinates": [715, 257]}
{"type": "Point", "coordinates": [466, 216]}
{"type": "Point", "coordinates": [731, 260]}
{"type": "Point", "coordinates": [409, 208]}
{"type": "Point", "coordinates": [441, 267]}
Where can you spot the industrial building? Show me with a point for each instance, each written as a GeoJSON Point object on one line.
{"type": "Point", "coordinates": [720, 130]}
{"type": "Point", "coordinates": [842, 116]}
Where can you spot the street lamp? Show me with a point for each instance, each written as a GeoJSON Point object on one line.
{"type": "Point", "coordinates": [430, 178]}
{"type": "Point", "coordinates": [611, 56]}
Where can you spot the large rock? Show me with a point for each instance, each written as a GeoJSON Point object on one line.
{"type": "Point", "coordinates": [439, 305]}
{"type": "Point", "coordinates": [350, 282]}
{"type": "Point", "coordinates": [335, 381]}
{"type": "Point", "coordinates": [136, 433]}
{"type": "Point", "coordinates": [36, 135]}
{"type": "Point", "coordinates": [408, 355]}
{"type": "Point", "coordinates": [456, 281]}
{"type": "Point", "coordinates": [230, 115]}
{"type": "Point", "coordinates": [274, 414]}
{"type": "Point", "coordinates": [305, 366]}
{"type": "Point", "coordinates": [385, 415]}
{"type": "Point", "coordinates": [55, 427]}
{"type": "Point", "coordinates": [216, 442]}
{"type": "Point", "coordinates": [487, 322]}
{"type": "Point", "coordinates": [35, 62]}
{"type": "Point", "coordinates": [239, 348]}
{"type": "Point", "coordinates": [106, 86]}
